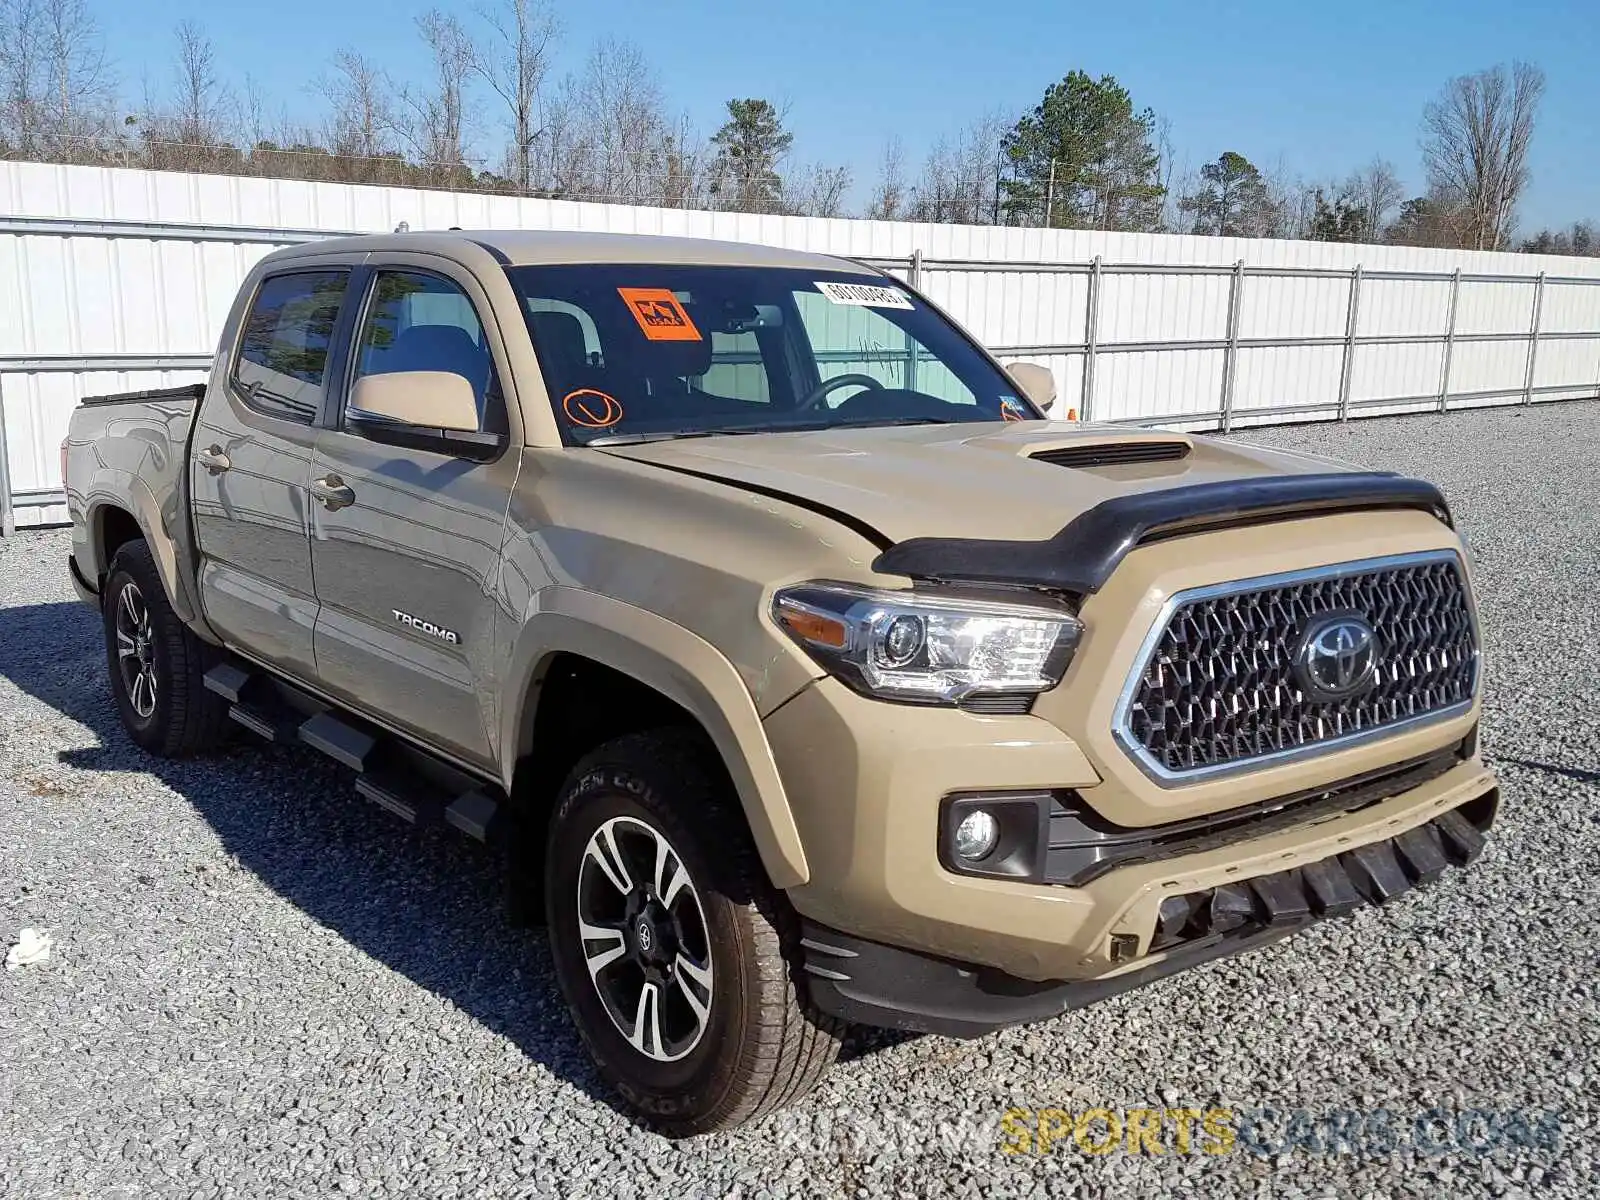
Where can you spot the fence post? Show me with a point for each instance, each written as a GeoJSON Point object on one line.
{"type": "Point", "coordinates": [1352, 317]}
{"type": "Point", "coordinates": [1091, 338]}
{"type": "Point", "coordinates": [914, 278]}
{"type": "Point", "coordinates": [1533, 339]}
{"type": "Point", "coordinates": [1230, 356]}
{"type": "Point", "coordinates": [1449, 341]}
{"type": "Point", "coordinates": [8, 517]}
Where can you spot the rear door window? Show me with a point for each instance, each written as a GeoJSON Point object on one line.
{"type": "Point", "coordinates": [283, 355]}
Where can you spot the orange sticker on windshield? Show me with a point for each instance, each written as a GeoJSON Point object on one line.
{"type": "Point", "coordinates": [591, 409]}
{"type": "Point", "coordinates": [659, 314]}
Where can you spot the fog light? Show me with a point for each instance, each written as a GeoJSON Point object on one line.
{"type": "Point", "coordinates": [976, 835]}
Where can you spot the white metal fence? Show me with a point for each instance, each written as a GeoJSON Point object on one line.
{"type": "Point", "coordinates": [114, 280]}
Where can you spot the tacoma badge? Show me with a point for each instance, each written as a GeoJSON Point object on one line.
{"type": "Point", "coordinates": [447, 636]}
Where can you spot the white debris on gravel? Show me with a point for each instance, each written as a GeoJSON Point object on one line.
{"type": "Point", "coordinates": [273, 991]}
{"type": "Point", "coordinates": [30, 947]}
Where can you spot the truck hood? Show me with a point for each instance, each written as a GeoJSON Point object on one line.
{"type": "Point", "coordinates": [966, 481]}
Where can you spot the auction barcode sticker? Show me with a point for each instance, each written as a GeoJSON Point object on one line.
{"type": "Point", "coordinates": [864, 295]}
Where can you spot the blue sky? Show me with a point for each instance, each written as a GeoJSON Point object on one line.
{"type": "Point", "coordinates": [1318, 88]}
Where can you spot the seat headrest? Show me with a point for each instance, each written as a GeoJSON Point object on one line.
{"type": "Point", "coordinates": [558, 340]}
{"type": "Point", "coordinates": [665, 360]}
{"type": "Point", "coordinates": [437, 348]}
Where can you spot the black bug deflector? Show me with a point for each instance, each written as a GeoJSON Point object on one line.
{"type": "Point", "coordinates": [874, 984]}
{"type": "Point", "coordinates": [1372, 874]}
{"type": "Point", "coordinates": [1082, 556]}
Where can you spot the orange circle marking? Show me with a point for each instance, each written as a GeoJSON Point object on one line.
{"type": "Point", "coordinates": [591, 409]}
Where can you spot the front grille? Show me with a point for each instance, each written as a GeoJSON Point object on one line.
{"type": "Point", "coordinates": [1218, 689]}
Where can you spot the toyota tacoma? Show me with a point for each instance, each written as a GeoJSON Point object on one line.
{"type": "Point", "coordinates": [807, 672]}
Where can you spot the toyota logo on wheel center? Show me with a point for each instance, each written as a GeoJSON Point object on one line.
{"type": "Point", "coordinates": [1338, 657]}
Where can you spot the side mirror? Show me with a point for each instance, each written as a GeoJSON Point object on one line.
{"type": "Point", "coordinates": [440, 399]}
{"type": "Point", "coordinates": [1037, 383]}
{"type": "Point", "coordinates": [421, 410]}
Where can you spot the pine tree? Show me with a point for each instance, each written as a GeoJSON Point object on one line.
{"type": "Point", "coordinates": [1084, 159]}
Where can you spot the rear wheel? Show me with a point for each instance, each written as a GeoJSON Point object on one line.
{"type": "Point", "coordinates": [157, 666]}
{"type": "Point", "coordinates": [670, 946]}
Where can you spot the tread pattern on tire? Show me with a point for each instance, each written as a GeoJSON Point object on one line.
{"type": "Point", "coordinates": [789, 1046]}
{"type": "Point", "coordinates": [197, 720]}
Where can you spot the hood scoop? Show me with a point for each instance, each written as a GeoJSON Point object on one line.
{"type": "Point", "coordinates": [1114, 454]}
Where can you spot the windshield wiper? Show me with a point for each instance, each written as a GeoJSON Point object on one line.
{"type": "Point", "coordinates": [887, 421]}
{"type": "Point", "coordinates": [634, 439]}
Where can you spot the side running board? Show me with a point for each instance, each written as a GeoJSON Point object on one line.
{"type": "Point", "coordinates": [394, 775]}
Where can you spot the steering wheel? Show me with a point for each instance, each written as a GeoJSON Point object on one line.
{"type": "Point", "coordinates": [817, 394]}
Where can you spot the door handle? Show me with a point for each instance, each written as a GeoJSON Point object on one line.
{"type": "Point", "coordinates": [333, 493]}
{"type": "Point", "coordinates": [213, 459]}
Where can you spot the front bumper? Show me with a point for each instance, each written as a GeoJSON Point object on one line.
{"type": "Point", "coordinates": [865, 780]}
{"type": "Point", "coordinates": [874, 984]}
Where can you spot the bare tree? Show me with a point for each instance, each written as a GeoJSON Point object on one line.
{"type": "Point", "coordinates": [1375, 191]}
{"type": "Point", "coordinates": [363, 107]}
{"type": "Point", "coordinates": [1475, 143]}
{"type": "Point", "coordinates": [607, 138]}
{"type": "Point", "coordinates": [1291, 203]}
{"type": "Point", "coordinates": [201, 101]}
{"type": "Point", "coordinates": [1168, 172]}
{"type": "Point", "coordinates": [78, 113]}
{"type": "Point", "coordinates": [819, 191]}
{"type": "Point", "coordinates": [22, 75]}
{"type": "Point", "coordinates": [253, 113]}
{"type": "Point", "coordinates": [514, 66]}
{"type": "Point", "coordinates": [433, 119]}
{"type": "Point", "coordinates": [960, 180]}
{"type": "Point", "coordinates": [890, 197]}
{"type": "Point", "coordinates": [683, 157]}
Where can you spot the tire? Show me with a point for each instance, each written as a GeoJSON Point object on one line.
{"type": "Point", "coordinates": [757, 1046]}
{"type": "Point", "coordinates": [157, 666]}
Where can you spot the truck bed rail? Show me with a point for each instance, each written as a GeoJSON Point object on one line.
{"type": "Point", "coordinates": [189, 391]}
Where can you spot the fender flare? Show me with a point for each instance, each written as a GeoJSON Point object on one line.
{"type": "Point", "coordinates": [683, 667]}
{"type": "Point", "coordinates": [139, 502]}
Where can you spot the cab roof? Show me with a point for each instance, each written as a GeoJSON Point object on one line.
{"type": "Point", "coordinates": [529, 247]}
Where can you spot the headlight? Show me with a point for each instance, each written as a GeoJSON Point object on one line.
{"type": "Point", "coordinates": [926, 648]}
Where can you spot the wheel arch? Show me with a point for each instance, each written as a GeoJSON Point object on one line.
{"type": "Point", "coordinates": [112, 526]}
{"type": "Point", "coordinates": [114, 520]}
{"type": "Point", "coordinates": [685, 672]}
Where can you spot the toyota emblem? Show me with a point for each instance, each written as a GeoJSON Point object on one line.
{"type": "Point", "coordinates": [1338, 657]}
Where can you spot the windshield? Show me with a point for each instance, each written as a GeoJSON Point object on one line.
{"type": "Point", "coordinates": [637, 351]}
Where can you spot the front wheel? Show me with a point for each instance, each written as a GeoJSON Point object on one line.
{"type": "Point", "coordinates": [671, 947]}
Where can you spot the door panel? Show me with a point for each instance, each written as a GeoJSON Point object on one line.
{"type": "Point", "coordinates": [403, 578]}
{"type": "Point", "coordinates": [405, 571]}
{"type": "Point", "coordinates": [251, 460]}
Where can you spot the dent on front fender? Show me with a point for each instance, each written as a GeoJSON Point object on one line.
{"type": "Point", "coordinates": [704, 556]}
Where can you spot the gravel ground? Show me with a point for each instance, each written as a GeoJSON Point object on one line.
{"type": "Point", "coordinates": [261, 987]}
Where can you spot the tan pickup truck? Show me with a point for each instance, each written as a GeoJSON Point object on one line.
{"type": "Point", "coordinates": [809, 674]}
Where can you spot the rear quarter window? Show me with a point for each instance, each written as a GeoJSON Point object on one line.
{"type": "Point", "coordinates": [282, 362]}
